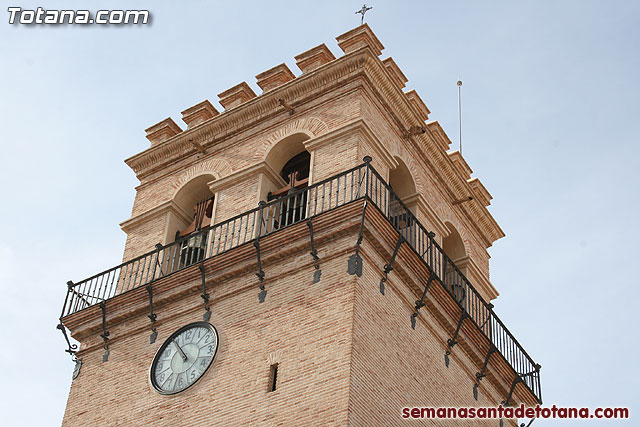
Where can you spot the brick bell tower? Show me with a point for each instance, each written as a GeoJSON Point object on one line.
{"type": "Point", "coordinates": [313, 255]}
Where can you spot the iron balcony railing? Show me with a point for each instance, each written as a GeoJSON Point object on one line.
{"type": "Point", "coordinates": [361, 182]}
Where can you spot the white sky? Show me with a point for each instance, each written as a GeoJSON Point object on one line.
{"type": "Point", "coordinates": [550, 110]}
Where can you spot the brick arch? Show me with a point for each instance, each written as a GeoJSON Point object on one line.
{"type": "Point", "coordinates": [218, 168]}
{"type": "Point", "coordinates": [415, 173]}
{"type": "Point", "coordinates": [411, 164]}
{"type": "Point", "coordinates": [451, 218]}
{"type": "Point", "coordinates": [310, 126]}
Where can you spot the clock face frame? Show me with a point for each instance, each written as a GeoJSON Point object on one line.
{"type": "Point", "coordinates": [184, 358]}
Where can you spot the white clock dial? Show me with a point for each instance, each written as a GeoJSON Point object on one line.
{"type": "Point", "coordinates": [184, 357]}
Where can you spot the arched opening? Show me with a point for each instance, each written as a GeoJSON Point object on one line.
{"type": "Point", "coordinates": [195, 199]}
{"type": "Point", "coordinates": [293, 163]}
{"type": "Point", "coordinates": [403, 185]}
{"type": "Point", "coordinates": [453, 246]}
{"type": "Point", "coordinates": [401, 181]}
{"type": "Point", "coordinates": [285, 150]}
{"type": "Point", "coordinates": [196, 203]}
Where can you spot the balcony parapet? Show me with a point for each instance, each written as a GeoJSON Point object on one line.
{"type": "Point", "coordinates": [360, 183]}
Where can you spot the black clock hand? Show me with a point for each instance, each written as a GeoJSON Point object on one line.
{"type": "Point", "coordinates": [184, 356]}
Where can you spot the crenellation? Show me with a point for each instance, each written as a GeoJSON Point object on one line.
{"type": "Point", "coordinates": [396, 73]}
{"type": "Point", "coordinates": [239, 94]}
{"type": "Point", "coordinates": [314, 58]}
{"type": "Point", "coordinates": [419, 105]}
{"type": "Point", "coordinates": [360, 37]}
{"type": "Point", "coordinates": [460, 163]}
{"type": "Point", "coordinates": [480, 192]}
{"type": "Point", "coordinates": [162, 131]}
{"type": "Point", "coordinates": [199, 113]}
{"type": "Point", "coordinates": [439, 135]}
{"type": "Point", "coordinates": [274, 77]}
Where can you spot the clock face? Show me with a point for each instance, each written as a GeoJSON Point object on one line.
{"type": "Point", "coordinates": [184, 357]}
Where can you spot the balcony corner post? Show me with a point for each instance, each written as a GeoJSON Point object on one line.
{"type": "Point", "coordinates": [367, 161]}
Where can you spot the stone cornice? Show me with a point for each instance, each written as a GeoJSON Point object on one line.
{"type": "Point", "coordinates": [243, 174]}
{"type": "Point", "coordinates": [358, 126]}
{"type": "Point", "coordinates": [161, 209]}
{"type": "Point", "coordinates": [461, 164]}
{"type": "Point", "coordinates": [480, 192]}
{"type": "Point", "coordinates": [439, 134]}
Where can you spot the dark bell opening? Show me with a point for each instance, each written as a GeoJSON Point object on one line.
{"type": "Point", "coordinates": [299, 163]}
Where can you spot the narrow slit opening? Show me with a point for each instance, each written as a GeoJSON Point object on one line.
{"type": "Point", "coordinates": [273, 377]}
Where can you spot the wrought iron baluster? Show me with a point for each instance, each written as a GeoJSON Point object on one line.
{"type": "Point", "coordinates": [109, 285]}
{"type": "Point", "coordinates": [73, 303]}
{"type": "Point", "coordinates": [233, 233]}
{"type": "Point", "coordinates": [297, 199]}
{"type": "Point", "coordinates": [158, 267]}
{"type": "Point", "coordinates": [226, 235]}
{"type": "Point", "coordinates": [82, 290]}
{"type": "Point", "coordinates": [102, 288]}
{"type": "Point", "coordinates": [240, 230]}
{"type": "Point", "coordinates": [87, 285]}
{"type": "Point", "coordinates": [315, 201]}
{"type": "Point", "coordinates": [352, 174]}
{"type": "Point", "coordinates": [176, 255]}
{"type": "Point", "coordinates": [169, 255]}
{"type": "Point", "coordinates": [246, 227]}
{"type": "Point", "coordinates": [219, 238]}
{"type": "Point", "coordinates": [367, 172]}
{"type": "Point", "coordinates": [127, 279]}
{"type": "Point", "coordinates": [122, 280]}
{"type": "Point", "coordinates": [135, 275]}
{"type": "Point", "coordinates": [171, 262]}
{"type": "Point", "coordinates": [144, 276]}
{"type": "Point", "coordinates": [284, 210]}
{"type": "Point", "coordinates": [188, 250]}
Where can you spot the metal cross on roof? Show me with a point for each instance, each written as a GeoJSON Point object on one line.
{"type": "Point", "coordinates": [363, 11]}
